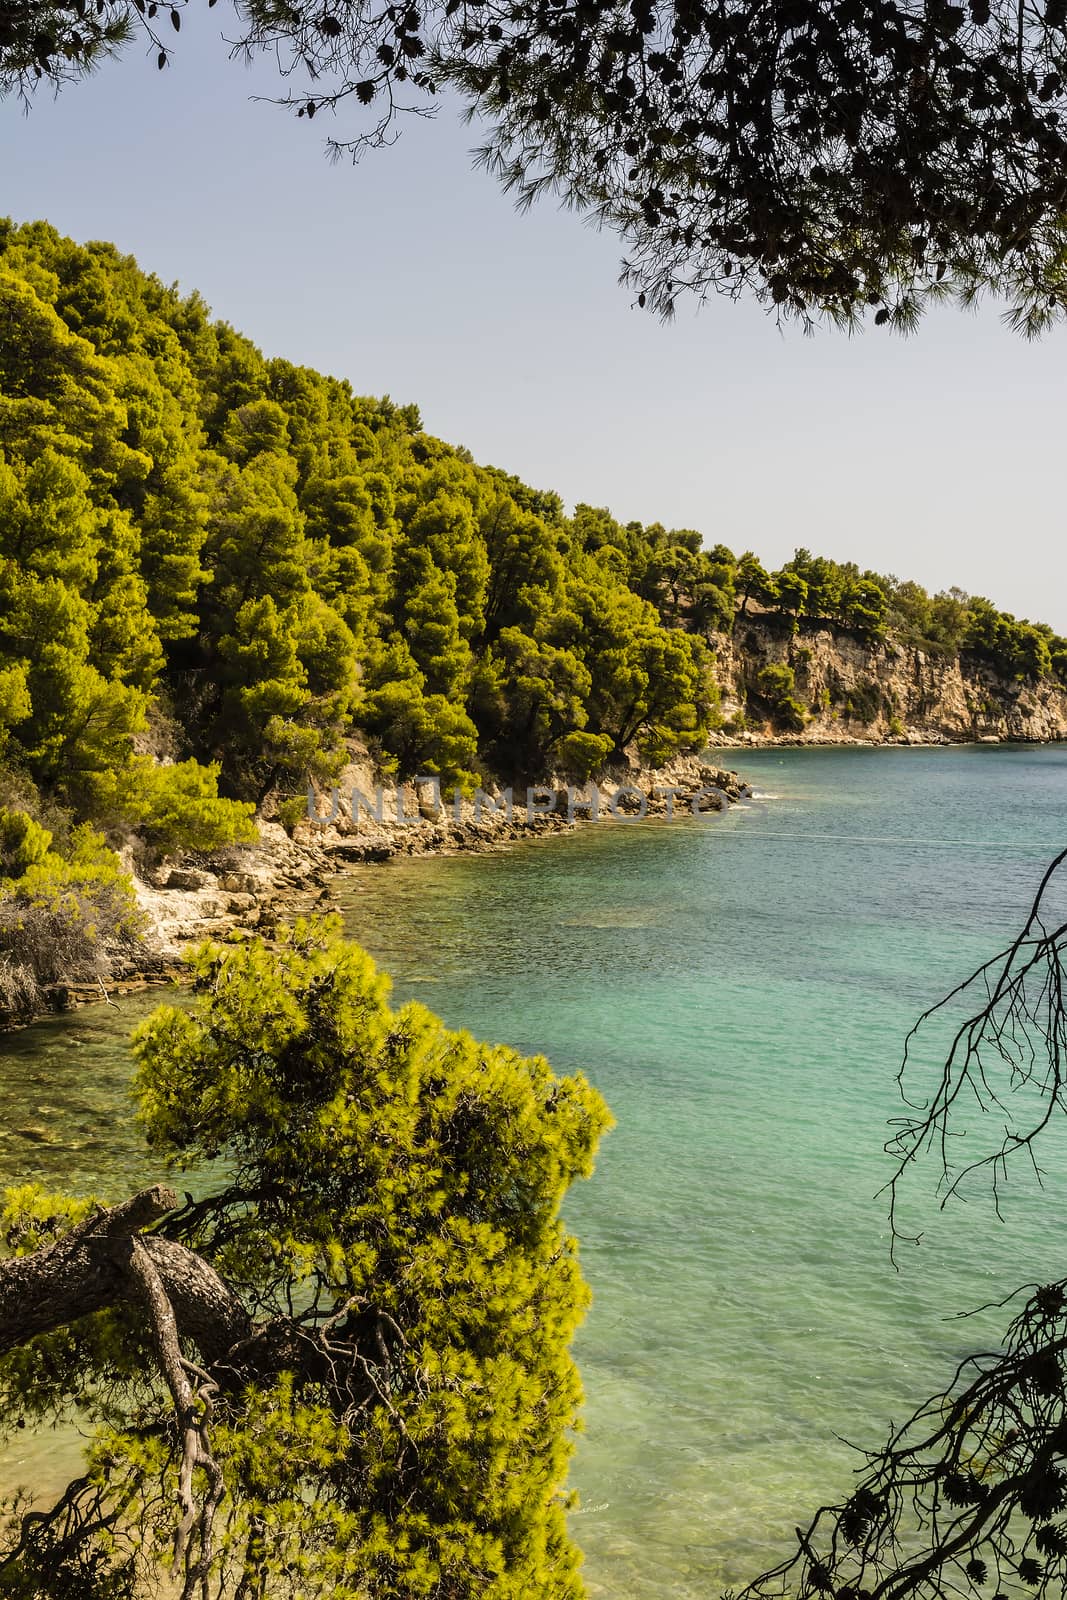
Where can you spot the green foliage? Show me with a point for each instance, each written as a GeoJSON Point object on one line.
{"type": "Point", "coordinates": [423, 733]}
{"type": "Point", "coordinates": [793, 592]}
{"type": "Point", "coordinates": [579, 755]}
{"type": "Point", "coordinates": [60, 912]}
{"type": "Point", "coordinates": [399, 1185]}
{"type": "Point", "coordinates": [848, 194]}
{"type": "Point", "coordinates": [814, 590]}
{"type": "Point", "coordinates": [287, 563]}
{"type": "Point", "coordinates": [15, 702]}
{"type": "Point", "coordinates": [1017, 649]}
{"type": "Point", "coordinates": [775, 681]}
{"type": "Point", "coordinates": [429, 616]}
{"type": "Point", "coordinates": [945, 624]}
{"type": "Point", "coordinates": [292, 812]}
{"type": "Point", "coordinates": [31, 1217]}
{"type": "Point", "coordinates": [286, 682]}
{"type": "Point", "coordinates": [23, 843]}
{"type": "Point", "coordinates": [174, 807]}
{"type": "Point", "coordinates": [754, 582]}
{"type": "Point", "coordinates": [529, 696]}
{"type": "Point", "coordinates": [775, 685]}
{"type": "Point", "coordinates": [864, 700]}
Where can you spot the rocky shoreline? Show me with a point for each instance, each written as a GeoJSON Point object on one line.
{"type": "Point", "coordinates": [820, 738]}
{"type": "Point", "coordinates": [247, 890]}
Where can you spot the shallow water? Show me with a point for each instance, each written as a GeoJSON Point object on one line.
{"type": "Point", "coordinates": [739, 988]}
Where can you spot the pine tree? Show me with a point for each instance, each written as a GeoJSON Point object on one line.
{"type": "Point", "coordinates": [374, 1294]}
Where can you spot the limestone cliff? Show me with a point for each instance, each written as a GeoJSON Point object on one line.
{"type": "Point", "coordinates": [875, 691]}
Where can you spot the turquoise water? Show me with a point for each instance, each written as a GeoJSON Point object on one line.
{"type": "Point", "coordinates": [738, 988]}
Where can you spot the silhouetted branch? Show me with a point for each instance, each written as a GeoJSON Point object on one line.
{"type": "Point", "coordinates": [967, 1493]}
{"type": "Point", "coordinates": [1015, 1040]}
{"type": "Point", "coordinates": [833, 159]}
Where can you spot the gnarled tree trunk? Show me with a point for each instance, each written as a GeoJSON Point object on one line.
{"type": "Point", "coordinates": [89, 1269]}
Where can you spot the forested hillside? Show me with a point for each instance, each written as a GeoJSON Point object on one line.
{"type": "Point", "coordinates": [215, 566]}
{"type": "Point", "coordinates": [233, 558]}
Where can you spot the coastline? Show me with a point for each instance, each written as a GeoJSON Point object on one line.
{"type": "Point", "coordinates": [243, 891]}
{"type": "Point", "coordinates": [246, 891]}
{"type": "Point", "coordinates": [820, 739]}
{"type": "Point", "coordinates": [673, 1487]}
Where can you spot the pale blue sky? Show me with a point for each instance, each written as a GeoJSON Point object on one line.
{"type": "Point", "coordinates": [939, 458]}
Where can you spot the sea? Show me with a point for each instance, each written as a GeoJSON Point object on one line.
{"type": "Point", "coordinates": [740, 988]}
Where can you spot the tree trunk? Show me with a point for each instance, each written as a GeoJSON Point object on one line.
{"type": "Point", "coordinates": [88, 1270]}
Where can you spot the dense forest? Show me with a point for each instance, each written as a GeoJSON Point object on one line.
{"type": "Point", "coordinates": [214, 566]}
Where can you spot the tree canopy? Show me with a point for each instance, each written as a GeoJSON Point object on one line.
{"type": "Point", "coordinates": [234, 562]}
{"type": "Point", "coordinates": [833, 158]}
{"type": "Point", "coordinates": [343, 1369]}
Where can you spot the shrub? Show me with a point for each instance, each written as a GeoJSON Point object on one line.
{"type": "Point", "coordinates": [775, 682]}
{"type": "Point", "coordinates": [864, 701]}
{"type": "Point", "coordinates": [174, 807]}
{"type": "Point", "coordinates": [579, 755]}
{"type": "Point", "coordinates": [60, 915]}
{"type": "Point", "coordinates": [790, 714]}
{"type": "Point", "coordinates": [775, 685]}
{"type": "Point", "coordinates": [23, 843]}
{"type": "Point", "coordinates": [292, 811]}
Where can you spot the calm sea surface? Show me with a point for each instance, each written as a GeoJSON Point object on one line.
{"type": "Point", "coordinates": [739, 989]}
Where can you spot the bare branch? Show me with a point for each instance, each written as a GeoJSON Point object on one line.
{"type": "Point", "coordinates": [968, 1491]}
{"type": "Point", "coordinates": [1010, 1050]}
{"type": "Point", "coordinates": [193, 1536]}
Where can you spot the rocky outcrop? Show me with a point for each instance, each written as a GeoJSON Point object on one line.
{"type": "Point", "coordinates": [416, 820]}
{"type": "Point", "coordinates": [858, 691]}
{"type": "Point", "coordinates": [242, 889]}
{"type": "Point", "coordinates": [249, 889]}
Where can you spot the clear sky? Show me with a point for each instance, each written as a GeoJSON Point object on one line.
{"type": "Point", "coordinates": [939, 458]}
